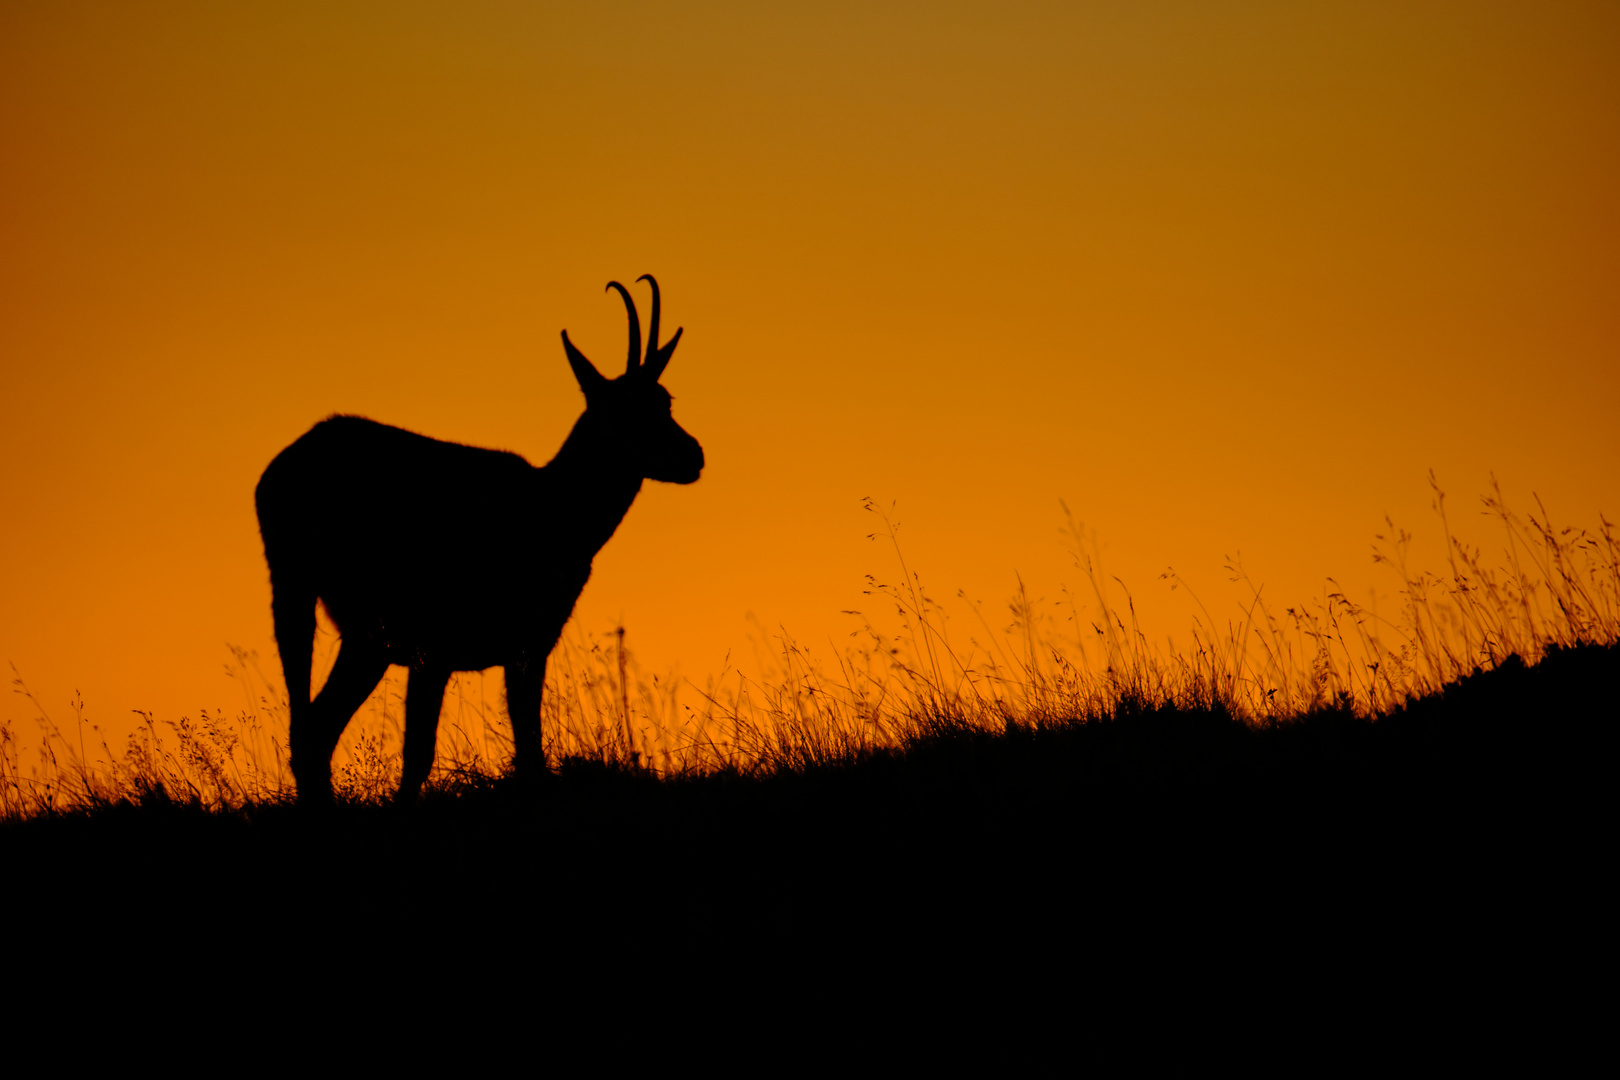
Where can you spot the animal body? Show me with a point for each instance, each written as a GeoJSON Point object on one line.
{"type": "Point", "coordinates": [368, 520]}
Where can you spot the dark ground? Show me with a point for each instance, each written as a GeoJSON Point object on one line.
{"type": "Point", "coordinates": [1473, 823]}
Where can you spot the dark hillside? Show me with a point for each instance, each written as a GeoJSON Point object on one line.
{"type": "Point", "coordinates": [1465, 798]}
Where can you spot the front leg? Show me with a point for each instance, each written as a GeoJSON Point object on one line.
{"type": "Point", "coordinates": [424, 698]}
{"type": "Point", "coordinates": [525, 681]}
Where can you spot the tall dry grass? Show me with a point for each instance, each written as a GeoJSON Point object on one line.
{"type": "Point", "coordinates": [1548, 586]}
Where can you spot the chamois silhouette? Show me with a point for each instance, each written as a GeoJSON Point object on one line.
{"type": "Point", "coordinates": [361, 516]}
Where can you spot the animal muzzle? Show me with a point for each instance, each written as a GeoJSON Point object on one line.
{"type": "Point", "coordinates": [681, 463]}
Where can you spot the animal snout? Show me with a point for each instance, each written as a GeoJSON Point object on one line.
{"type": "Point", "coordinates": [688, 465]}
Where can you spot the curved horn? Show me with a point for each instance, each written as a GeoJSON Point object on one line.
{"type": "Point", "coordinates": [652, 331]}
{"type": "Point", "coordinates": [660, 359]}
{"type": "Point", "coordinates": [635, 328]}
{"type": "Point", "coordinates": [658, 356]}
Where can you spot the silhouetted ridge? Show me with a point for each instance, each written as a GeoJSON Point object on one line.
{"type": "Point", "coordinates": [1482, 787]}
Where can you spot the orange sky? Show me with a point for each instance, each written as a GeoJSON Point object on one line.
{"type": "Point", "coordinates": [1222, 277]}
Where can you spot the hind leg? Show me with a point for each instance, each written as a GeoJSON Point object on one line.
{"type": "Point", "coordinates": [292, 606]}
{"type": "Point", "coordinates": [293, 609]}
{"type": "Point", "coordinates": [424, 698]}
{"type": "Point", "coordinates": [359, 668]}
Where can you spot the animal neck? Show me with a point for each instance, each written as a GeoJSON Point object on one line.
{"type": "Point", "coordinates": [591, 488]}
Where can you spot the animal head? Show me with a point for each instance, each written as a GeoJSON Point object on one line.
{"type": "Point", "coordinates": [629, 417]}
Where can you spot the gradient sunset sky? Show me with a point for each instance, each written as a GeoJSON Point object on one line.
{"type": "Point", "coordinates": [1222, 277]}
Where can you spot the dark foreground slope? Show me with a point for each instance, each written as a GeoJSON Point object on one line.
{"type": "Point", "coordinates": [1460, 803]}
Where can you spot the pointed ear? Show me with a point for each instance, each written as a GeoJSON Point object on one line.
{"type": "Point", "coordinates": [590, 380]}
{"type": "Point", "coordinates": [660, 359]}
